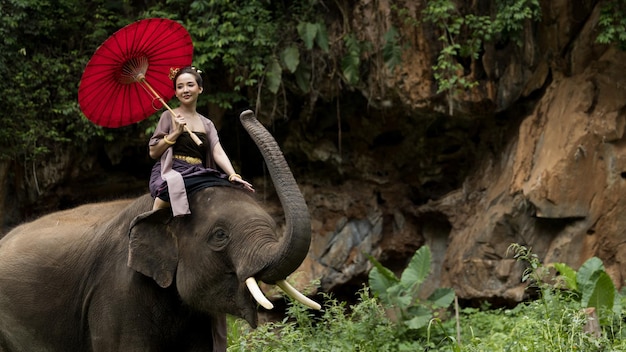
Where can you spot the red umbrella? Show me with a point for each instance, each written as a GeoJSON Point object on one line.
{"type": "Point", "coordinates": [127, 78]}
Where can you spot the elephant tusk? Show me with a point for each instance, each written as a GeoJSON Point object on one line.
{"type": "Point", "coordinates": [295, 294]}
{"type": "Point", "coordinates": [258, 295]}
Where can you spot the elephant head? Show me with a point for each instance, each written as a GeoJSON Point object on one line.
{"type": "Point", "coordinates": [216, 255]}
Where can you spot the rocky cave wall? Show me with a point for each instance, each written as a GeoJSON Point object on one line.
{"type": "Point", "coordinates": [533, 155]}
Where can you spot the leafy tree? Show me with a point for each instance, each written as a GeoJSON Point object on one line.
{"type": "Point", "coordinates": [41, 64]}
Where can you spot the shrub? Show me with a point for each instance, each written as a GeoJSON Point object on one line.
{"type": "Point", "coordinates": [363, 327]}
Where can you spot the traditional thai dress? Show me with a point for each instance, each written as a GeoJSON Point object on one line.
{"type": "Point", "coordinates": [184, 167]}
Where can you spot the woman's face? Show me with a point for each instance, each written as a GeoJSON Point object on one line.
{"type": "Point", "coordinates": [187, 89]}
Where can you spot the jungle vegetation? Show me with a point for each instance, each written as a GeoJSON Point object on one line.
{"type": "Point", "coordinates": [256, 53]}
{"type": "Point", "coordinates": [574, 310]}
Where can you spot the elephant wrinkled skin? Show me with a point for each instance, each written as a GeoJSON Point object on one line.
{"type": "Point", "coordinates": [119, 277]}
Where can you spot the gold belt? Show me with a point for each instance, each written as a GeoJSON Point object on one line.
{"type": "Point", "coordinates": [189, 159]}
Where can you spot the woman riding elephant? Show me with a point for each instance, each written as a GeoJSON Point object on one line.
{"type": "Point", "coordinates": [122, 277]}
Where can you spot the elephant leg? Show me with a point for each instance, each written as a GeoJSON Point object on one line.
{"type": "Point", "coordinates": [203, 333]}
{"type": "Point", "coordinates": [219, 332]}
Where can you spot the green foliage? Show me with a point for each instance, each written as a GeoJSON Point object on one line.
{"type": "Point", "coordinates": [313, 33]}
{"type": "Point", "coordinates": [568, 276]}
{"type": "Point", "coordinates": [612, 23]}
{"type": "Point", "coordinates": [592, 286]}
{"type": "Point", "coordinates": [274, 76]}
{"type": "Point", "coordinates": [403, 294]}
{"type": "Point", "coordinates": [392, 50]}
{"type": "Point", "coordinates": [511, 15]}
{"type": "Point", "coordinates": [533, 327]}
{"type": "Point", "coordinates": [41, 64]}
{"type": "Point", "coordinates": [248, 44]}
{"type": "Point", "coordinates": [351, 62]}
{"type": "Point", "coordinates": [290, 58]}
{"type": "Point", "coordinates": [535, 271]}
{"type": "Point", "coordinates": [233, 37]}
{"type": "Point", "coordinates": [462, 36]}
{"type": "Point", "coordinates": [364, 328]}
{"type": "Point", "coordinates": [554, 323]}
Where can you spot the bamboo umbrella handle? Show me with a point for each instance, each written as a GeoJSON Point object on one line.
{"type": "Point", "coordinates": [156, 95]}
{"type": "Point", "coordinates": [193, 135]}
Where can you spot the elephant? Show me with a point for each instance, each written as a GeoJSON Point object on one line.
{"type": "Point", "coordinates": [119, 276]}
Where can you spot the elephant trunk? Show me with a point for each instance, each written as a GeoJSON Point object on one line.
{"type": "Point", "coordinates": [294, 245]}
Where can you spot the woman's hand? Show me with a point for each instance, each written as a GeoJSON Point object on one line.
{"type": "Point", "coordinates": [179, 125]}
{"type": "Point", "coordinates": [235, 178]}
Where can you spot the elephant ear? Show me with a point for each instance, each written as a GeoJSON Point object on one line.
{"type": "Point", "coordinates": [152, 248]}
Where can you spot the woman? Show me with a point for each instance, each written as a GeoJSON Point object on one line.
{"type": "Point", "coordinates": [183, 165]}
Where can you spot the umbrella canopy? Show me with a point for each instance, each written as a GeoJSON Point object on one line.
{"type": "Point", "coordinates": [114, 89]}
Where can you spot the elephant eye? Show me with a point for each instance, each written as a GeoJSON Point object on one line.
{"type": "Point", "coordinates": [218, 237]}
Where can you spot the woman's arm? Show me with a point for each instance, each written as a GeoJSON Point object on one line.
{"type": "Point", "coordinates": [222, 160]}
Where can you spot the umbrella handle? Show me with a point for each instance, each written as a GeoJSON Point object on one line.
{"type": "Point", "coordinates": [193, 136]}
{"type": "Point", "coordinates": [191, 133]}
{"type": "Point", "coordinates": [156, 95]}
